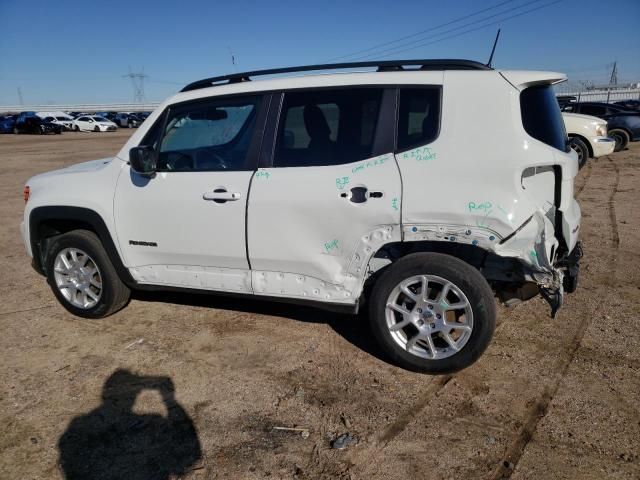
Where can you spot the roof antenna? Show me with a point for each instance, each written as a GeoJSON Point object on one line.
{"type": "Point", "coordinates": [493, 50]}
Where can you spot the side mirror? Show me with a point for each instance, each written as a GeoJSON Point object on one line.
{"type": "Point", "coordinates": [143, 160]}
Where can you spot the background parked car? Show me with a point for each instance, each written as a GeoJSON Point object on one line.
{"type": "Point", "coordinates": [587, 136]}
{"type": "Point", "coordinates": [629, 104]}
{"type": "Point", "coordinates": [6, 123]}
{"type": "Point", "coordinates": [111, 116]}
{"type": "Point", "coordinates": [28, 122]}
{"type": "Point", "coordinates": [64, 122]}
{"type": "Point", "coordinates": [128, 120]}
{"type": "Point", "coordinates": [624, 125]}
{"type": "Point", "coordinates": [93, 124]}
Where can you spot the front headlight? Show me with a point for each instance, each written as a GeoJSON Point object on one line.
{"type": "Point", "coordinates": [601, 130]}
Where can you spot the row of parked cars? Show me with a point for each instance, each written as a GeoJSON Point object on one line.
{"type": "Point", "coordinates": [57, 122]}
{"type": "Point", "coordinates": [597, 129]}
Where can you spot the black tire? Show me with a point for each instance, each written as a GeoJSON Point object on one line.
{"type": "Point", "coordinates": [129, 125]}
{"type": "Point", "coordinates": [578, 146]}
{"type": "Point", "coordinates": [96, 128]}
{"type": "Point", "coordinates": [463, 276]}
{"type": "Point", "coordinates": [76, 128]}
{"type": "Point", "coordinates": [115, 293]}
{"type": "Point", "coordinates": [621, 137]}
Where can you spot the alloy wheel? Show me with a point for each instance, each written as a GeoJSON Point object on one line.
{"type": "Point", "coordinates": [429, 316]}
{"type": "Point", "coordinates": [77, 278]}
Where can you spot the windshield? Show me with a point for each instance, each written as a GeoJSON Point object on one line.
{"type": "Point", "coordinates": [100, 119]}
{"type": "Point", "coordinates": [64, 119]}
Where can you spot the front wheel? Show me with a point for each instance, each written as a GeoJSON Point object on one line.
{"type": "Point", "coordinates": [621, 137]}
{"type": "Point", "coordinates": [581, 149]}
{"type": "Point", "coordinates": [432, 313]}
{"type": "Point", "coordinates": [96, 128]}
{"type": "Point", "coordinates": [82, 277]}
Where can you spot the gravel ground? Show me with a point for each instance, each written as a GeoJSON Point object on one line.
{"type": "Point", "coordinates": [193, 386]}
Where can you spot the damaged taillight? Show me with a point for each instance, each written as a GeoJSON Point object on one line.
{"type": "Point", "coordinates": [26, 192]}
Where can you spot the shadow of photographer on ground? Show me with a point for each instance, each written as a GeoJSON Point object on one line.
{"type": "Point", "coordinates": [113, 442]}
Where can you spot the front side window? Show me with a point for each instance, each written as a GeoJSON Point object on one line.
{"type": "Point", "coordinates": [418, 116]}
{"type": "Point", "coordinates": [327, 127]}
{"type": "Point", "coordinates": [541, 116]}
{"type": "Point", "coordinates": [209, 136]}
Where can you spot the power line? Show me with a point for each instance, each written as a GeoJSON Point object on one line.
{"type": "Point", "coordinates": [456, 20]}
{"type": "Point", "coordinates": [401, 48]}
{"type": "Point", "coordinates": [471, 30]}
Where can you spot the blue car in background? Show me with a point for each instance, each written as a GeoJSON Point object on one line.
{"type": "Point", "coordinates": [7, 123]}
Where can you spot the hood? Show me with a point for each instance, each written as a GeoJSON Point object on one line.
{"type": "Point", "coordinates": [586, 118]}
{"type": "Point", "coordinates": [91, 166]}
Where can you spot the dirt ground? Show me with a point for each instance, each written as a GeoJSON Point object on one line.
{"type": "Point", "coordinates": [550, 399]}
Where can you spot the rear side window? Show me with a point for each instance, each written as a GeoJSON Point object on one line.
{"type": "Point", "coordinates": [419, 117]}
{"type": "Point", "coordinates": [327, 127]}
{"type": "Point", "coordinates": [541, 116]}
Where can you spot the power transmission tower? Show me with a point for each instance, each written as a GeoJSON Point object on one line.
{"type": "Point", "coordinates": [20, 99]}
{"type": "Point", "coordinates": [137, 81]}
{"type": "Point", "coordinates": [614, 74]}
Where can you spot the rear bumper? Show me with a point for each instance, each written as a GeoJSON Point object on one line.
{"type": "Point", "coordinates": [567, 271]}
{"type": "Point", "coordinates": [602, 146]}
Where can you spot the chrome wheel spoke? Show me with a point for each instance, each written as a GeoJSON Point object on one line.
{"type": "Point", "coordinates": [399, 325]}
{"type": "Point", "coordinates": [405, 289]}
{"type": "Point", "coordinates": [457, 305]}
{"type": "Point", "coordinates": [412, 341]}
{"type": "Point", "coordinates": [425, 289]}
{"type": "Point", "coordinates": [458, 326]}
{"type": "Point", "coordinates": [89, 292]}
{"type": "Point", "coordinates": [442, 296]}
{"type": "Point", "coordinates": [447, 338]}
{"type": "Point", "coordinates": [397, 308]}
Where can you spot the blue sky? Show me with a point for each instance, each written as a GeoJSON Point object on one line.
{"type": "Point", "coordinates": [77, 51]}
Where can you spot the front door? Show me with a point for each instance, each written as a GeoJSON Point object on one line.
{"type": "Point", "coordinates": [185, 226]}
{"type": "Point", "coordinates": [330, 197]}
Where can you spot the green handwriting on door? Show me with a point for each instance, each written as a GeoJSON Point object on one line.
{"type": "Point", "coordinates": [331, 245]}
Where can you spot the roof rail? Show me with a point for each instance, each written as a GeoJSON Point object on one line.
{"type": "Point", "coordinates": [382, 66]}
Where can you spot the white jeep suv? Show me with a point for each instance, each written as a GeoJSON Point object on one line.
{"type": "Point", "coordinates": [422, 188]}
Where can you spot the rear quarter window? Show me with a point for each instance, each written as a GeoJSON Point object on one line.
{"type": "Point", "coordinates": [541, 116]}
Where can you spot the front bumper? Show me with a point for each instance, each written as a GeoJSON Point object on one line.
{"type": "Point", "coordinates": [602, 146]}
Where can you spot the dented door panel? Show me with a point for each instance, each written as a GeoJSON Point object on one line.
{"type": "Point", "coordinates": [312, 230]}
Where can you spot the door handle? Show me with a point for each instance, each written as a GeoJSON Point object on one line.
{"type": "Point", "coordinates": [361, 195]}
{"type": "Point", "coordinates": [221, 195]}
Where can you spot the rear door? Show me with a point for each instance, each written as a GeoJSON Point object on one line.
{"type": "Point", "coordinates": [327, 195]}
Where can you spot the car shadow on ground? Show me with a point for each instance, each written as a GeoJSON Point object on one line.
{"type": "Point", "coordinates": [113, 442]}
{"type": "Point", "coordinates": [353, 328]}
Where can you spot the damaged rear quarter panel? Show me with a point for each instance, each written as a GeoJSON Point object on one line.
{"type": "Point", "coordinates": [472, 188]}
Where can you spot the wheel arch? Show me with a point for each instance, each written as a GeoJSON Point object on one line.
{"type": "Point", "coordinates": [50, 221]}
{"type": "Point", "coordinates": [504, 274]}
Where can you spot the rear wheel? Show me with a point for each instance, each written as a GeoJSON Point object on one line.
{"type": "Point", "coordinates": [96, 128]}
{"type": "Point", "coordinates": [82, 277]}
{"type": "Point", "coordinates": [432, 313]}
{"type": "Point", "coordinates": [621, 137]}
{"type": "Point", "coordinates": [76, 128]}
{"type": "Point", "coordinates": [578, 146]}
